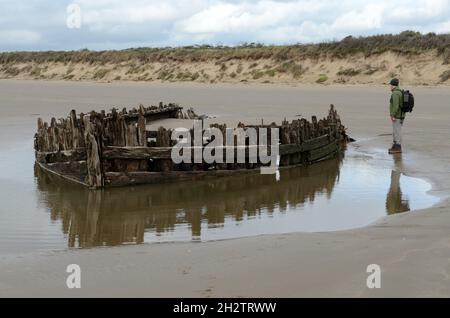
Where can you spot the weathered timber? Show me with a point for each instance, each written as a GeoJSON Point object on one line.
{"type": "Point", "coordinates": [316, 143]}
{"type": "Point", "coordinates": [164, 153]}
{"type": "Point", "coordinates": [150, 113]}
{"type": "Point", "coordinates": [102, 149]}
{"type": "Point", "coordinates": [142, 135]}
{"type": "Point", "coordinates": [78, 154]}
{"type": "Point", "coordinates": [77, 168]}
{"type": "Point", "coordinates": [290, 149]}
{"type": "Point", "coordinates": [319, 153]}
{"type": "Point", "coordinates": [137, 153]}
{"type": "Point", "coordinates": [94, 170]}
{"type": "Point", "coordinates": [79, 179]}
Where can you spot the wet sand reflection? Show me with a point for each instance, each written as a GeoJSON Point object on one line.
{"type": "Point", "coordinates": [123, 215]}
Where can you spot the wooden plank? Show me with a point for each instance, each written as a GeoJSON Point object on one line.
{"type": "Point", "coordinates": [69, 168]}
{"type": "Point", "coordinates": [158, 113]}
{"type": "Point", "coordinates": [315, 143]}
{"type": "Point", "coordinates": [131, 135]}
{"type": "Point", "coordinates": [78, 154]}
{"type": "Point", "coordinates": [323, 152]}
{"type": "Point", "coordinates": [137, 153]}
{"type": "Point", "coordinates": [290, 149]}
{"type": "Point", "coordinates": [72, 178]}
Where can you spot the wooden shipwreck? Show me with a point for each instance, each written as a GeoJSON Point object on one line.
{"type": "Point", "coordinates": [102, 149]}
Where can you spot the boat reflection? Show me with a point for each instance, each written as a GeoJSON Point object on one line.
{"type": "Point", "coordinates": [125, 215]}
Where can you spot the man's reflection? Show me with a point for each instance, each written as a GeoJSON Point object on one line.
{"type": "Point", "coordinates": [394, 201]}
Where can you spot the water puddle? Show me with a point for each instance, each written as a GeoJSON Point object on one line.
{"type": "Point", "coordinates": [40, 212]}
{"type": "Point", "coordinates": [334, 195]}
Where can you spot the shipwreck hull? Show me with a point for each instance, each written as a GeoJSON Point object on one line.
{"type": "Point", "coordinates": [105, 150]}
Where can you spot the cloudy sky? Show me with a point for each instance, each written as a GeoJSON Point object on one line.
{"type": "Point", "coordinates": [117, 24]}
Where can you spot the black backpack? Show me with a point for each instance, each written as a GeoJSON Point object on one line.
{"type": "Point", "coordinates": [408, 102]}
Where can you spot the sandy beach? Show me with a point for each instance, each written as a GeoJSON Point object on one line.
{"type": "Point", "coordinates": [413, 249]}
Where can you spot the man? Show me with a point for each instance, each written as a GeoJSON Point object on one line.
{"type": "Point", "coordinates": [397, 116]}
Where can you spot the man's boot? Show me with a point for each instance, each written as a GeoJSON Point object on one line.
{"type": "Point", "coordinates": [396, 148]}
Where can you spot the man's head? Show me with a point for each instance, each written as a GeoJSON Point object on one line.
{"type": "Point", "coordinates": [394, 83]}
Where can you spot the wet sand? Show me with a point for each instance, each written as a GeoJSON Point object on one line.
{"type": "Point", "coordinates": [412, 249]}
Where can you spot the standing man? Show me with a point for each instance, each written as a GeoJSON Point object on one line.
{"type": "Point", "coordinates": [397, 115]}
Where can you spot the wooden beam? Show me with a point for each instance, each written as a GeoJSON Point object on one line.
{"type": "Point", "coordinates": [70, 177]}
{"type": "Point", "coordinates": [317, 154]}
{"type": "Point", "coordinates": [78, 154]}
{"type": "Point", "coordinates": [137, 153]}
{"type": "Point", "coordinates": [290, 149]}
{"type": "Point", "coordinates": [157, 152]}
{"type": "Point", "coordinates": [316, 143]}
{"type": "Point", "coordinates": [77, 168]}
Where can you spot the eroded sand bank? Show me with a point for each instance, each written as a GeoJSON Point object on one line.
{"type": "Point", "coordinates": [412, 249]}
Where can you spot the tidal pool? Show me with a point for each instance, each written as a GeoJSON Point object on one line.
{"type": "Point", "coordinates": [333, 195]}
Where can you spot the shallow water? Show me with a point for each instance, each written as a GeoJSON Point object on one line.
{"type": "Point", "coordinates": [49, 213]}
{"type": "Point", "coordinates": [39, 212]}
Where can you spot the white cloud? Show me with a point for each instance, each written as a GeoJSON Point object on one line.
{"type": "Point", "coordinates": [422, 9]}
{"type": "Point", "coordinates": [19, 37]}
{"type": "Point", "coordinates": [115, 24]}
{"type": "Point", "coordinates": [369, 18]}
{"type": "Point", "coordinates": [247, 16]}
{"type": "Point", "coordinates": [443, 27]}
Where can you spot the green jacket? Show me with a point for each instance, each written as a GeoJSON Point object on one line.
{"type": "Point", "coordinates": [395, 104]}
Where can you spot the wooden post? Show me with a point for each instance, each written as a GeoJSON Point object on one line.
{"type": "Point", "coordinates": [163, 140]}
{"type": "Point", "coordinates": [142, 135]}
{"type": "Point", "coordinates": [95, 175]}
{"type": "Point", "coordinates": [75, 130]}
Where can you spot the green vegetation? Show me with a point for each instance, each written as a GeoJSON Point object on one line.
{"type": "Point", "coordinates": [101, 73]}
{"type": "Point", "coordinates": [166, 75]}
{"type": "Point", "coordinates": [349, 72]}
{"type": "Point", "coordinates": [370, 70]}
{"type": "Point", "coordinates": [322, 79]}
{"type": "Point", "coordinates": [243, 63]}
{"type": "Point", "coordinates": [291, 67]}
{"type": "Point", "coordinates": [407, 42]}
{"type": "Point", "coordinates": [271, 73]}
{"type": "Point", "coordinates": [36, 72]}
{"type": "Point", "coordinates": [11, 70]}
{"type": "Point", "coordinates": [187, 76]}
{"type": "Point", "coordinates": [445, 76]}
{"type": "Point", "coordinates": [257, 74]}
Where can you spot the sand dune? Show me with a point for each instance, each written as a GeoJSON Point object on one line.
{"type": "Point", "coordinates": [423, 69]}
